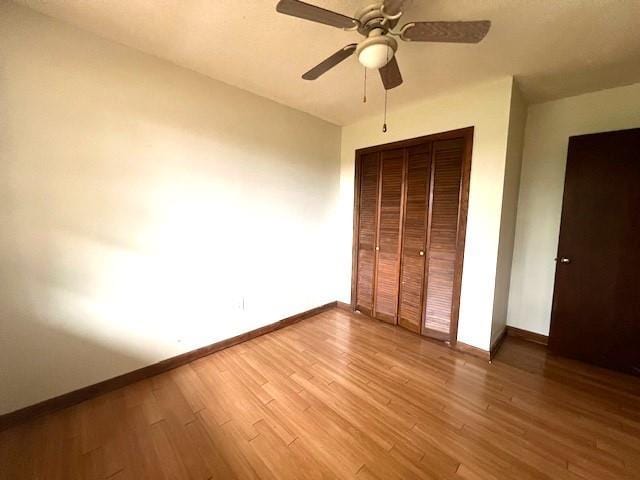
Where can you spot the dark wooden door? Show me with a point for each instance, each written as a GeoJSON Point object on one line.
{"type": "Point", "coordinates": [389, 233]}
{"type": "Point", "coordinates": [443, 232]}
{"type": "Point", "coordinates": [414, 237]}
{"type": "Point", "coordinates": [596, 306]}
{"type": "Point", "coordinates": [367, 231]}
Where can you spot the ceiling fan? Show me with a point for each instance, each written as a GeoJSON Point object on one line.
{"type": "Point", "coordinates": [376, 23]}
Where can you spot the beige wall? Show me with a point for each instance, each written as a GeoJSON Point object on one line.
{"type": "Point", "coordinates": [141, 205]}
{"type": "Point", "coordinates": [549, 126]}
{"type": "Point", "coordinates": [147, 210]}
{"type": "Point", "coordinates": [511, 187]}
{"type": "Point", "coordinates": [486, 107]}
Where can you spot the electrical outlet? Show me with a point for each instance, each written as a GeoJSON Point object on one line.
{"type": "Point", "coordinates": [239, 303]}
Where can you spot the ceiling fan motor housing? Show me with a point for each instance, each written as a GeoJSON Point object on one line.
{"type": "Point", "coordinates": [377, 49]}
{"type": "Point", "coordinates": [372, 17]}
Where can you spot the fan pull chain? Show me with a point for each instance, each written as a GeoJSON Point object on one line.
{"type": "Point", "coordinates": [384, 124]}
{"type": "Point", "coordinates": [364, 96]}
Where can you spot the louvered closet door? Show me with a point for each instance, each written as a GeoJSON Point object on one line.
{"type": "Point", "coordinates": [367, 230]}
{"type": "Point", "coordinates": [446, 172]}
{"type": "Point", "coordinates": [389, 231]}
{"type": "Point", "coordinates": [414, 238]}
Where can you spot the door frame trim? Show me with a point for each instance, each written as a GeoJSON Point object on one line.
{"type": "Point", "coordinates": [464, 133]}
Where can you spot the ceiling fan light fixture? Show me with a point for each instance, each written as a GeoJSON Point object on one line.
{"type": "Point", "coordinates": [375, 56]}
{"type": "Point", "coordinates": [376, 51]}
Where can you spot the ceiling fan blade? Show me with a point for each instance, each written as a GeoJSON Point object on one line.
{"type": "Point", "coordinates": [455, 32]}
{"type": "Point", "coordinates": [392, 7]}
{"type": "Point", "coordinates": [390, 74]}
{"type": "Point", "coordinates": [299, 9]}
{"type": "Point", "coordinates": [330, 62]}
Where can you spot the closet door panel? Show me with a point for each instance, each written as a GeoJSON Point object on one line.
{"type": "Point", "coordinates": [389, 233]}
{"type": "Point", "coordinates": [367, 231]}
{"type": "Point", "coordinates": [446, 171]}
{"type": "Point", "coordinates": [414, 239]}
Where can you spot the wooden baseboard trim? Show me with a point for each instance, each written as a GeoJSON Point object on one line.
{"type": "Point", "coordinates": [77, 396]}
{"type": "Point", "coordinates": [498, 343]}
{"type": "Point", "coordinates": [458, 346]}
{"type": "Point", "coordinates": [344, 306]}
{"type": "Point", "coordinates": [435, 335]}
{"type": "Point", "coordinates": [471, 350]}
{"type": "Point", "coordinates": [527, 335]}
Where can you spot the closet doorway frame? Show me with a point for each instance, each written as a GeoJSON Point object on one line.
{"type": "Point", "coordinates": [463, 133]}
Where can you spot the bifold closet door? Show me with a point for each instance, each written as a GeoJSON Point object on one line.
{"type": "Point", "coordinates": [444, 209]}
{"type": "Point", "coordinates": [387, 276]}
{"type": "Point", "coordinates": [367, 231]}
{"type": "Point", "coordinates": [414, 238]}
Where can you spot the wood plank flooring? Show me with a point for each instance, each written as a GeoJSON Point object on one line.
{"type": "Point", "coordinates": [343, 396]}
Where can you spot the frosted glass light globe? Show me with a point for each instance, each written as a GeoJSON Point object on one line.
{"type": "Point", "coordinates": [375, 56]}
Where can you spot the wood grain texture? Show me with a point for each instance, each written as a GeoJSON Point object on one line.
{"type": "Point", "coordinates": [596, 303]}
{"type": "Point", "coordinates": [297, 8]}
{"type": "Point", "coordinates": [471, 350]}
{"type": "Point", "coordinates": [330, 62]}
{"type": "Point", "coordinates": [450, 32]}
{"type": "Point", "coordinates": [414, 238]}
{"type": "Point", "coordinates": [85, 393]}
{"type": "Point", "coordinates": [342, 396]}
{"type": "Point", "coordinates": [344, 306]}
{"type": "Point", "coordinates": [527, 335]}
{"type": "Point", "coordinates": [408, 303]}
{"type": "Point", "coordinates": [446, 173]}
{"type": "Point", "coordinates": [367, 231]}
{"type": "Point", "coordinates": [467, 135]}
{"type": "Point", "coordinates": [495, 346]}
{"type": "Point", "coordinates": [412, 142]}
{"type": "Point", "coordinates": [389, 235]}
{"type": "Point", "coordinates": [390, 74]}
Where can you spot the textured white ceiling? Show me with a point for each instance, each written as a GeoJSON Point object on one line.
{"type": "Point", "coordinates": [555, 48]}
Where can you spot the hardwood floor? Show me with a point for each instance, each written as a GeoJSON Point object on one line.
{"type": "Point", "coordinates": [342, 396]}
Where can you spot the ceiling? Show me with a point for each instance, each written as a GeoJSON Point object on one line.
{"type": "Point", "coordinates": [554, 48]}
